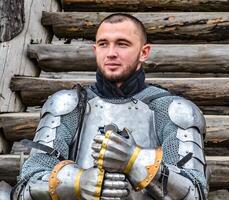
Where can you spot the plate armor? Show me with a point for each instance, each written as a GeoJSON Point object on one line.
{"type": "Point", "coordinates": [171, 123]}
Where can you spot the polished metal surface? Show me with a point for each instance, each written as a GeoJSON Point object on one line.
{"type": "Point", "coordinates": [139, 170]}
{"type": "Point", "coordinates": [135, 116]}
{"type": "Point", "coordinates": [39, 190]}
{"type": "Point", "coordinates": [190, 135]}
{"type": "Point", "coordinates": [198, 160]}
{"type": "Point", "coordinates": [61, 103]}
{"type": "Point", "coordinates": [46, 136]}
{"type": "Point", "coordinates": [49, 120]}
{"type": "Point", "coordinates": [26, 194]}
{"type": "Point", "coordinates": [186, 114]}
{"type": "Point", "coordinates": [66, 176]}
{"type": "Point", "coordinates": [178, 186]}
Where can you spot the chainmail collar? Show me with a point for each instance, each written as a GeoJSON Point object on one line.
{"type": "Point", "coordinates": [107, 89]}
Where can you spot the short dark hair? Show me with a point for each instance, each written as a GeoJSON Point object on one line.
{"type": "Point", "coordinates": [120, 17]}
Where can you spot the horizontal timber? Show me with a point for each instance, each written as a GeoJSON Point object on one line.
{"type": "Point", "coordinates": [10, 167]}
{"type": "Point", "coordinates": [219, 167]}
{"type": "Point", "coordinates": [145, 5]}
{"type": "Point", "coordinates": [169, 26]}
{"type": "Point", "coordinates": [17, 126]}
{"type": "Point", "coordinates": [199, 58]}
{"type": "Point", "coordinates": [203, 91]}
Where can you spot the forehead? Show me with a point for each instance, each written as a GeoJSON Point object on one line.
{"type": "Point", "coordinates": [125, 29]}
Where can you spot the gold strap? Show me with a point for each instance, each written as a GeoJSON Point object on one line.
{"type": "Point", "coordinates": [103, 149]}
{"type": "Point", "coordinates": [152, 170]}
{"type": "Point", "coordinates": [99, 184]}
{"type": "Point", "coordinates": [54, 181]}
{"type": "Point", "coordinates": [132, 160]}
{"type": "Point", "coordinates": [77, 184]}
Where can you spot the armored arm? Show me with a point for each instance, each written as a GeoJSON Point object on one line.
{"type": "Point", "coordinates": [175, 171]}
{"type": "Point", "coordinates": [47, 174]}
{"type": "Point", "coordinates": [59, 120]}
{"type": "Point", "coordinates": [182, 171]}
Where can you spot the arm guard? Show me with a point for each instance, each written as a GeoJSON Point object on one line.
{"type": "Point", "coordinates": [59, 120]}
{"type": "Point", "coordinates": [178, 180]}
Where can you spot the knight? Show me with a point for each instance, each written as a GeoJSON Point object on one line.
{"type": "Point", "coordinates": [120, 137]}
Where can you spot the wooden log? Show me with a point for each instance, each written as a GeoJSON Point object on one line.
{"type": "Point", "coordinates": [217, 128]}
{"type": "Point", "coordinates": [90, 75]}
{"type": "Point", "coordinates": [219, 167]}
{"type": "Point", "coordinates": [9, 168]}
{"type": "Point", "coordinates": [17, 126]}
{"type": "Point", "coordinates": [216, 150]}
{"type": "Point", "coordinates": [203, 91]}
{"type": "Point", "coordinates": [218, 195]}
{"type": "Point", "coordinates": [13, 53]}
{"type": "Point", "coordinates": [215, 110]}
{"type": "Point", "coordinates": [145, 5]}
{"type": "Point", "coordinates": [12, 19]}
{"type": "Point", "coordinates": [209, 58]}
{"type": "Point", "coordinates": [170, 27]}
{"type": "Point", "coordinates": [19, 148]}
{"type": "Point", "coordinates": [4, 144]}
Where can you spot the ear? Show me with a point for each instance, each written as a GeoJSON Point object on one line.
{"type": "Point", "coordinates": [145, 53]}
{"type": "Point", "coordinates": [94, 48]}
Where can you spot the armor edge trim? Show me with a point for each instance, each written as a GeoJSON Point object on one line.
{"type": "Point", "coordinates": [152, 170]}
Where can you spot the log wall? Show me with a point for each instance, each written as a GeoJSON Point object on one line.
{"type": "Point", "coordinates": [167, 27]}
{"type": "Point", "coordinates": [13, 54]}
{"type": "Point", "coordinates": [149, 5]}
{"type": "Point", "coordinates": [190, 54]}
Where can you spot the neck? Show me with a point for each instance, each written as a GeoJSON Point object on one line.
{"type": "Point", "coordinates": [126, 89]}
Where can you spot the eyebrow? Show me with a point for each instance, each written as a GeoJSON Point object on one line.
{"type": "Point", "coordinates": [101, 40]}
{"type": "Point", "coordinates": [119, 40]}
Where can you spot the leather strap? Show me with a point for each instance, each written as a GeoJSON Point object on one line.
{"type": "Point", "coordinates": [184, 160]}
{"type": "Point", "coordinates": [50, 151]}
{"type": "Point", "coordinates": [54, 181]}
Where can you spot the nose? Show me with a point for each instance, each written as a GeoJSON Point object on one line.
{"type": "Point", "coordinates": [112, 53]}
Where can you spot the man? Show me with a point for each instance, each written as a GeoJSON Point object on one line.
{"type": "Point", "coordinates": [129, 140]}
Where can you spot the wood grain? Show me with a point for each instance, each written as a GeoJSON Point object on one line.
{"type": "Point", "coordinates": [202, 58]}
{"type": "Point", "coordinates": [13, 54]}
{"type": "Point", "coordinates": [169, 27]}
{"type": "Point", "coordinates": [203, 91]}
{"type": "Point", "coordinates": [145, 5]}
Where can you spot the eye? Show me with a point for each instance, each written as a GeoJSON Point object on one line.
{"type": "Point", "coordinates": [102, 44]}
{"type": "Point", "coordinates": [123, 44]}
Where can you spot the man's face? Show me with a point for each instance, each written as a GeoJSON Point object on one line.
{"type": "Point", "coordinates": [119, 50]}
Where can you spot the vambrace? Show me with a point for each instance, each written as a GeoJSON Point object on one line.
{"type": "Point", "coordinates": [59, 104]}
{"type": "Point", "coordinates": [66, 182]}
{"type": "Point", "coordinates": [186, 178]}
{"type": "Point", "coordinates": [173, 185]}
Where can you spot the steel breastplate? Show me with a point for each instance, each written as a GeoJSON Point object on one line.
{"type": "Point", "coordinates": [133, 115]}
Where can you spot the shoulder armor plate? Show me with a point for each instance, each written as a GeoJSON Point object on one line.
{"type": "Point", "coordinates": [186, 114]}
{"type": "Point", "coordinates": [61, 103]}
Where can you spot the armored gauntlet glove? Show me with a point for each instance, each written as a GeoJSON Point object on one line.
{"type": "Point", "coordinates": [115, 153]}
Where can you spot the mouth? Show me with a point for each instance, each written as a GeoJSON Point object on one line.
{"type": "Point", "coordinates": [112, 65]}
